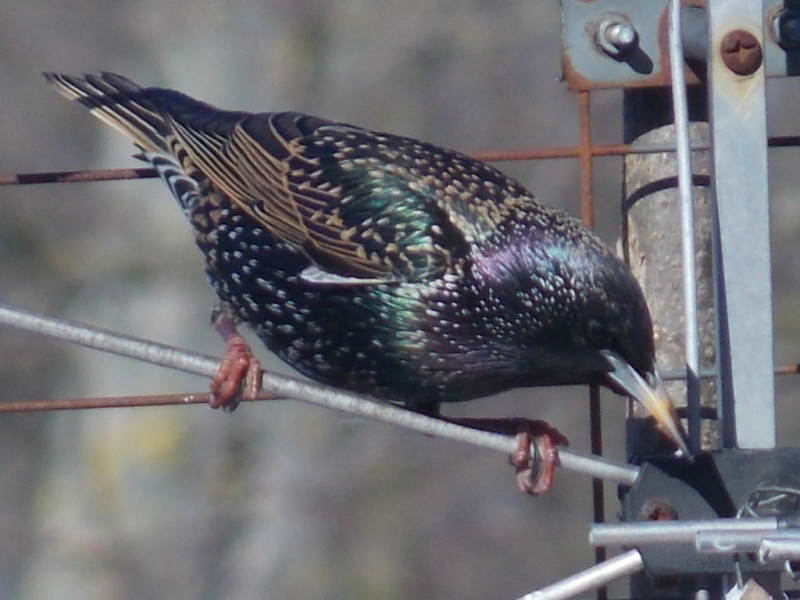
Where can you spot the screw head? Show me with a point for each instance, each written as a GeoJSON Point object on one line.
{"type": "Point", "coordinates": [741, 52]}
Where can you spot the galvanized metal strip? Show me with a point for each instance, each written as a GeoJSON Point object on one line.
{"type": "Point", "coordinates": [739, 134]}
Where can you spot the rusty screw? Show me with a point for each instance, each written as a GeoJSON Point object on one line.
{"type": "Point", "coordinates": [741, 52]}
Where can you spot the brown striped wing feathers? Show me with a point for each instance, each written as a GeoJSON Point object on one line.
{"type": "Point", "coordinates": [356, 218]}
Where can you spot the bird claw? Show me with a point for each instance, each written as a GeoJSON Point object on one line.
{"type": "Point", "coordinates": [536, 473]}
{"type": "Point", "coordinates": [238, 377]}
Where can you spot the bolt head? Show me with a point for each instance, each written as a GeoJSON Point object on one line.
{"type": "Point", "coordinates": [621, 35]}
{"type": "Point", "coordinates": [616, 36]}
{"type": "Point", "coordinates": [741, 52]}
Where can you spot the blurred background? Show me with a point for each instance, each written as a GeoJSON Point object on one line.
{"type": "Point", "coordinates": [281, 500]}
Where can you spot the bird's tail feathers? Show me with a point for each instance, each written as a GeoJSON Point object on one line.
{"type": "Point", "coordinates": [119, 102]}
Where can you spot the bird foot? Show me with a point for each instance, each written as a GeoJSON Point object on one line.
{"type": "Point", "coordinates": [239, 375]}
{"type": "Point", "coordinates": [535, 470]}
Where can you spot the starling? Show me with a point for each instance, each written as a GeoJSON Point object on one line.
{"type": "Point", "coordinates": [382, 264]}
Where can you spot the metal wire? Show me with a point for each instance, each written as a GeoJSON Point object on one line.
{"type": "Point", "coordinates": [649, 533]}
{"type": "Point", "coordinates": [283, 386]}
{"type": "Point", "coordinates": [681, 108]}
{"type": "Point", "coordinates": [771, 499]}
{"type": "Point", "coordinates": [545, 153]}
{"type": "Point", "coordinates": [588, 217]}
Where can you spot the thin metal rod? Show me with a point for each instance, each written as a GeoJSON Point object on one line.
{"type": "Point", "coordinates": [772, 549]}
{"type": "Point", "coordinates": [599, 467]}
{"type": "Point", "coordinates": [585, 148]}
{"type": "Point", "coordinates": [556, 152]}
{"type": "Point", "coordinates": [681, 107]}
{"type": "Point", "coordinates": [702, 594]}
{"type": "Point", "coordinates": [78, 176]}
{"type": "Point", "coordinates": [785, 141]}
{"type": "Point", "coordinates": [109, 341]}
{"type": "Point", "coordinates": [793, 369]}
{"type": "Point", "coordinates": [283, 386]}
{"type": "Point", "coordinates": [588, 217]}
{"type": "Point", "coordinates": [600, 575]}
{"type": "Point", "coordinates": [598, 497]}
{"type": "Point", "coordinates": [788, 369]}
{"type": "Point", "coordinates": [731, 542]}
{"type": "Point", "coordinates": [112, 402]}
{"type": "Point", "coordinates": [671, 532]}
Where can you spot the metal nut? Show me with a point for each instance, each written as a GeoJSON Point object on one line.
{"type": "Point", "coordinates": [786, 28]}
{"type": "Point", "coordinates": [741, 52]}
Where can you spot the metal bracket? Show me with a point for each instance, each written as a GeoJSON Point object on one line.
{"type": "Point", "coordinates": [715, 486]}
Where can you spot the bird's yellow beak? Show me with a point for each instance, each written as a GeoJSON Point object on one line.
{"type": "Point", "coordinates": [652, 394]}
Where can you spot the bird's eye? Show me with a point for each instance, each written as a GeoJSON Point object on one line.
{"type": "Point", "coordinates": [599, 335]}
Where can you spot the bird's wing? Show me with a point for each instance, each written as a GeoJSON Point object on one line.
{"type": "Point", "coordinates": [315, 184]}
{"type": "Point", "coordinates": [364, 206]}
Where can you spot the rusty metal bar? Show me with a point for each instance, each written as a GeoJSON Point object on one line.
{"type": "Point", "coordinates": [585, 156]}
{"type": "Point", "coordinates": [283, 386]}
{"type": "Point", "coordinates": [202, 398]}
{"type": "Point", "coordinates": [588, 217]}
{"type": "Point", "coordinates": [77, 176]}
{"type": "Point", "coordinates": [110, 402]}
{"type": "Point", "coordinates": [546, 153]}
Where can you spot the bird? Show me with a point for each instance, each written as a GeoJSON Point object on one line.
{"type": "Point", "coordinates": [386, 265]}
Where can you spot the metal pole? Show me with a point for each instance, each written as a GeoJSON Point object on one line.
{"type": "Point", "coordinates": [289, 387]}
{"type": "Point", "coordinates": [731, 542]}
{"type": "Point", "coordinates": [772, 549]}
{"type": "Point", "coordinates": [681, 111]}
{"type": "Point", "coordinates": [592, 578]}
{"type": "Point", "coordinates": [739, 132]}
{"type": "Point", "coordinates": [672, 532]}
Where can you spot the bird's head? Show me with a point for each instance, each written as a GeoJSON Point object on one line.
{"type": "Point", "coordinates": [617, 328]}
{"type": "Point", "coordinates": [582, 318]}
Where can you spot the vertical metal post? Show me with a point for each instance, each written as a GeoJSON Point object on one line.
{"type": "Point", "coordinates": [588, 217]}
{"type": "Point", "coordinates": [739, 134]}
